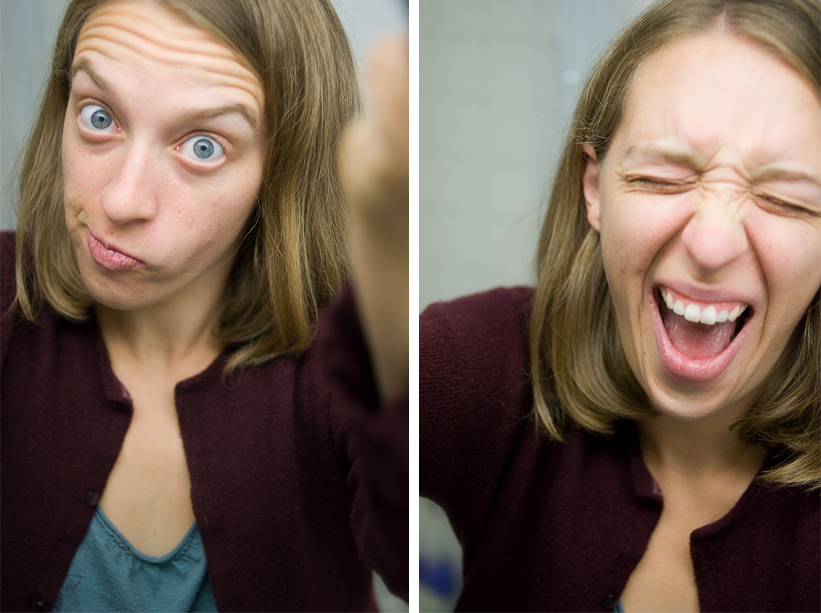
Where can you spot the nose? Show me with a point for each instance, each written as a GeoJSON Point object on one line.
{"type": "Point", "coordinates": [129, 196]}
{"type": "Point", "coordinates": [715, 235]}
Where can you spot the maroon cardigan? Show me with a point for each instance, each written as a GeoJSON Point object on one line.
{"type": "Point", "coordinates": [298, 484]}
{"type": "Point", "coordinates": [551, 526]}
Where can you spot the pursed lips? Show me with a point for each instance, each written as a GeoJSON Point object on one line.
{"type": "Point", "coordinates": [110, 257]}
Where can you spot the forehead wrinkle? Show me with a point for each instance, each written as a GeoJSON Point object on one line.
{"type": "Point", "coordinates": [191, 115]}
{"type": "Point", "coordinates": [186, 48]}
{"type": "Point", "coordinates": [181, 35]}
{"type": "Point", "coordinates": [182, 59]}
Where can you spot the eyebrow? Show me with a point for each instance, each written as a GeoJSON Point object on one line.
{"type": "Point", "coordinates": [677, 157]}
{"type": "Point", "coordinates": [82, 65]}
{"type": "Point", "coordinates": [772, 173]}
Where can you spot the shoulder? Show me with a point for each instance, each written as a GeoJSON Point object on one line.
{"type": "Point", "coordinates": [484, 335]}
{"type": "Point", "coordinates": [496, 311]}
{"type": "Point", "coordinates": [496, 320]}
{"type": "Point", "coordinates": [474, 388]}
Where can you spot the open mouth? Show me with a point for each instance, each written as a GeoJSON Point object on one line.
{"type": "Point", "coordinates": [700, 330]}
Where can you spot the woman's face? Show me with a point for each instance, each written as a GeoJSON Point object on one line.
{"type": "Point", "coordinates": [162, 155]}
{"type": "Point", "coordinates": [709, 200]}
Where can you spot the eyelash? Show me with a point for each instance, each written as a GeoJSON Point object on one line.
{"type": "Point", "coordinates": [794, 209]}
{"type": "Point", "coordinates": [672, 187]}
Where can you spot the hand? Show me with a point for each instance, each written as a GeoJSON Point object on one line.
{"type": "Point", "coordinates": [373, 161]}
{"type": "Point", "coordinates": [374, 152]}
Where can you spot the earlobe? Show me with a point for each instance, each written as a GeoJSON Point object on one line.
{"type": "Point", "coordinates": [590, 185]}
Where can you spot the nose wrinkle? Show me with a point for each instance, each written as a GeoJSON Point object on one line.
{"type": "Point", "coordinates": [129, 196]}
{"type": "Point", "coordinates": [715, 235]}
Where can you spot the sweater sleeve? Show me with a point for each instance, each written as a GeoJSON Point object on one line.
{"type": "Point", "coordinates": [373, 438]}
{"type": "Point", "coordinates": [474, 400]}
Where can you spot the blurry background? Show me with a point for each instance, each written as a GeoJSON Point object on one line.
{"type": "Point", "coordinates": [498, 81]}
{"type": "Point", "coordinates": [27, 32]}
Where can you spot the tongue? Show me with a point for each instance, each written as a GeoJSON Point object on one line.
{"type": "Point", "coordinates": [697, 341]}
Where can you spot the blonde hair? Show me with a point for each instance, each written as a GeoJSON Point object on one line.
{"type": "Point", "coordinates": [293, 257]}
{"type": "Point", "coordinates": [579, 371]}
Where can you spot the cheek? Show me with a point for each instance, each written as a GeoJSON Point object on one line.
{"type": "Point", "coordinates": [83, 177]}
{"type": "Point", "coordinates": [221, 209]}
{"type": "Point", "coordinates": [789, 252]}
{"type": "Point", "coordinates": [630, 237]}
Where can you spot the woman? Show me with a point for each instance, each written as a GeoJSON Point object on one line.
{"type": "Point", "coordinates": [181, 226]}
{"type": "Point", "coordinates": [642, 430]}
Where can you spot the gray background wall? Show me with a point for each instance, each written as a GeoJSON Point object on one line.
{"type": "Point", "coordinates": [27, 31]}
{"type": "Point", "coordinates": [497, 84]}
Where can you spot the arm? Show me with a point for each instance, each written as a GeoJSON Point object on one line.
{"type": "Point", "coordinates": [367, 349]}
{"type": "Point", "coordinates": [374, 167]}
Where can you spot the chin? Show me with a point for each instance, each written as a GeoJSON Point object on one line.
{"type": "Point", "coordinates": [693, 404]}
{"type": "Point", "coordinates": [109, 291]}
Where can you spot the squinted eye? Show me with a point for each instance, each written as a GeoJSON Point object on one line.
{"type": "Point", "coordinates": [202, 149]}
{"type": "Point", "coordinates": [96, 118]}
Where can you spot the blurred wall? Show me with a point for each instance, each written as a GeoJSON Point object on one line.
{"type": "Point", "coordinates": [27, 32]}
{"type": "Point", "coordinates": [498, 82]}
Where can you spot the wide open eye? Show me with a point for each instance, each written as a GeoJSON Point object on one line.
{"type": "Point", "coordinates": [96, 118]}
{"type": "Point", "coordinates": [202, 149]}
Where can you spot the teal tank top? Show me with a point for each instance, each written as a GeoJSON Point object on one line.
{"type": "Point", "coordinates": [109, 574]}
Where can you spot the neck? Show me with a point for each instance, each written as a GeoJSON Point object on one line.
{"type": "Point", "coordinates": [697, 448]}
{"type": "Point", "coordinates": [177, 335]}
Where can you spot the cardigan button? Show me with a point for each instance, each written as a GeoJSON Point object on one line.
{"type": "Point", "coordinates": [40, 605]}
{"type": "Point", "coordinates": [93, 498]}
{"type": "Point", "coordinates": [610, 601]}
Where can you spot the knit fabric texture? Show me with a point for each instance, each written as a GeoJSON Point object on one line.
{"type": "Point", "coordinates": [299, 478]}
{"type": "Point", "coordinates": [549, 526]}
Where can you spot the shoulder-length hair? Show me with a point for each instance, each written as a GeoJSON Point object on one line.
{"type": "Point", "coordinates": [579, 371]}
{"type": "Point", "coordinates": [293, 257]}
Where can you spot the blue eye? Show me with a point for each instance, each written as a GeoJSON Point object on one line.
{"type": "Point", "coordinates": [202, 149]}
{"type": "Point", "coordinates": [96, 118]}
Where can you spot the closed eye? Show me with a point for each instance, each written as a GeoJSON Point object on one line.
{"type": "Point", "coordinates": [655, 184]}
{"type": "Point", "coordinates": [779, 206]}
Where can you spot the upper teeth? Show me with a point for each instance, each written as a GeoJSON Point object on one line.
{"type": "Point", "coordinates": [708, 315]}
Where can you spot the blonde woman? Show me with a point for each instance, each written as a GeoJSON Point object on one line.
{"type": "Point", "coordinates": [183, 426]}
{"type": "Point", "coordinates": [640, 432]}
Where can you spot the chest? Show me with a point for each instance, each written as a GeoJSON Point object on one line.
{"type": "Point", "coordinates": [664, 579]}
{"type": "Point", "coordinates": [270, 493]}
{"type": "Point", "coordinates": [564, 536]}
{"type": "Point", "coordinates": [148, 492]}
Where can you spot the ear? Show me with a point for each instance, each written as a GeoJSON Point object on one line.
{"type": "Point", "coordinates": [590, 186]}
